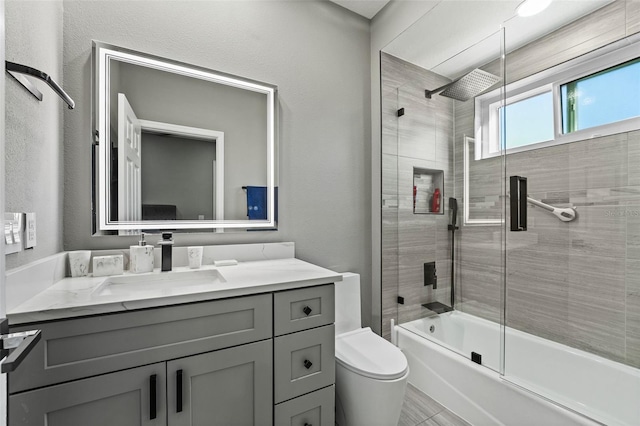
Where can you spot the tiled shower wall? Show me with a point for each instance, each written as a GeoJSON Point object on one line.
{"type": "Point", "coordinates": [422, 138]}
{"type": "Point", "coordinates": [577, 283]}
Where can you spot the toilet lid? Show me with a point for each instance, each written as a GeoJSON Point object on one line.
{"type": "Point", "coordinates": [365, 353]}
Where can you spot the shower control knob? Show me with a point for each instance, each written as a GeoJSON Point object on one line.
{"type": "Point", "coordinates": [307, 310]}
{"type": "Point", "coordinates": [307, 364]}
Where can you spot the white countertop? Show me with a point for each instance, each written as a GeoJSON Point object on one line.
{"type": "Point", "coordinates": [73, 297]}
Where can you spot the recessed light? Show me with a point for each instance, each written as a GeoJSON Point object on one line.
{"type": "Point", "coordinates": [532, 7]}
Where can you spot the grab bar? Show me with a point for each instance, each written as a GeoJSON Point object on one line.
{"type": "Point", "coordinates": [16, 69]}
{"type": "Point", "coordinates": [564, 214]}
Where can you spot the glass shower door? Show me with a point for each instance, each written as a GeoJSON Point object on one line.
{"type": "Point", "coordinates": [571, 285]}
{"type": "Point", "coordinates": [449, 257]}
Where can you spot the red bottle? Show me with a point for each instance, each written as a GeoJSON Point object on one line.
{"type": "Point", "coordinates": [435, 201]}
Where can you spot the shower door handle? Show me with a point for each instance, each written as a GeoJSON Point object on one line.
{"type": "Point", "coordinates": [518, 203]}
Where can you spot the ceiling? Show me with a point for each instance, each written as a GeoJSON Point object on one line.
{"type": "Point", "coordinates": [366, 8]}
{"type": "Point", "coordinates": [455, 36]}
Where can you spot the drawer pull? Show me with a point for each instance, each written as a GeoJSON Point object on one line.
{"type": "Point", "coordinates": [307, 310]}
{"type": "Point", "coordinates": [308, 424]}
{"type": "Point", "coordinates": [179, 391]}
{"type": "Point", "coordinates": [307, 364]}
{"type": "Point", "coordinates": [152, 397]}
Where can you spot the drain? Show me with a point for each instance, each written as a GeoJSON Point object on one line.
{"type": "Point", "coordinates": [432, 328]}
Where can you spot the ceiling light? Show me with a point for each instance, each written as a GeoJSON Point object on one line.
{"type": "Point", "coordinates": [532, 7]}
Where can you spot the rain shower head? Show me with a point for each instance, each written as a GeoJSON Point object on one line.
{"type": "Point", "coordinates": [466, 87]}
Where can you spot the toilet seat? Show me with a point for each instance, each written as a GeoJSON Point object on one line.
{"type": "Point", "coordinates": [367, 354]}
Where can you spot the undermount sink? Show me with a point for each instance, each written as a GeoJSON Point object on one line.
{"type": "Point", "coordinates": [165, 282]}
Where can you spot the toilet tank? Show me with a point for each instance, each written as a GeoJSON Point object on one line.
{"type": "Point", "coordinates": [348, 303]}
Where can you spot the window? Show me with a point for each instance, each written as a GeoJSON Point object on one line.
{"type": "Point", "coordinates": [601, 98]}
{"type": "Point", "coordinates": [597, 94]}
{"type": "Point", "coordinates": [527, 121]}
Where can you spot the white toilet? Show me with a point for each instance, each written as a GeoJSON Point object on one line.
{"type": "Point", "coordinates": [371, 373]}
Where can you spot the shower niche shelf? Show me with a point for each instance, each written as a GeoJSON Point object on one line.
{"type": "Point", "coordinates": [428, 191]}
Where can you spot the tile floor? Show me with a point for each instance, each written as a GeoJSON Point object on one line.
{"type": "Point", "coordinates": [420, 410]}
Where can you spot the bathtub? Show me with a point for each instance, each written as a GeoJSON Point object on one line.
{"type": "Point", "coordinates": [545, 383]}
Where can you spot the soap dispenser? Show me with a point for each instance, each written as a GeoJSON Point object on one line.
{"type": "Point", "coordinates": [141, 257]}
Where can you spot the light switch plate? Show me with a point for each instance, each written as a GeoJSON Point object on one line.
{"type": "Point", "coordinates": [29, 230]}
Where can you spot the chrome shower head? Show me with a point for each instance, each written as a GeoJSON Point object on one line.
{"type": "Point", "coordinates": [466, 87]}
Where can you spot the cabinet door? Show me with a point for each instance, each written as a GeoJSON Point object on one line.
{"type": "Point", "coordinates": [227, 387]}
{"type": "Point", "coordinates": [133, 397]}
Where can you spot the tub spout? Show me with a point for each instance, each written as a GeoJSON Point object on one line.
{"type": "Point", "coordinates": [437, 307]}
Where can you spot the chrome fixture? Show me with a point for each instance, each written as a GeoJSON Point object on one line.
{"type": "Point", "coordinates": [466, 87]}
{"type": "Point", "coordinates": [15, 346]}
{"type": "Point", "coordinates": [564, 214]}
{"type": "Point", "coordinates": [19, 71]}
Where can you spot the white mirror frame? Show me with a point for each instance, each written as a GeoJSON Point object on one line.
{"type": "Point", "coordinates": [467, 141]}
{"type": "Point", "coordinates": [102, 54]}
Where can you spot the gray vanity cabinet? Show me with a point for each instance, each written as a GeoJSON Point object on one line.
{"type": "Point", "coordinates": [304, 361]}
{"type": "Point", "coordinates": [228, 387]}
{"type": "Point", "coordinates": [93, 370]}
{"type": "Point", "coordinates": [124, 398]}
{"type": "Point", "coordinates": [238, 361]}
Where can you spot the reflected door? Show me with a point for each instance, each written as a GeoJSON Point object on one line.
{"type": "Point", "coordinates": [129, 163]}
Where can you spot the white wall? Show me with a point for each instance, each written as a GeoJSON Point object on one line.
{"type": "Point", "coordinates": [34, 133]}
{"type": "Point", "coordinates": [318, 55]}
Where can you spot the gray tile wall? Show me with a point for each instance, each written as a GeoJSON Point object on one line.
{"type": "Point", "coordinates": [574, 283]}
{"type": "Point", "coordinates": [422, 138]}
{"type": "Point", "coordinates": [577, 283]}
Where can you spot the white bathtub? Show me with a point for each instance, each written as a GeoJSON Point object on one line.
{"type": "Point", "coordinates": [537, 372]}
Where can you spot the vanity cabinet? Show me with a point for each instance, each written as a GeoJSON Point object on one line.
{"type": "Point", "coordinates": [83, 347]}
{"type": "Point", "coordinates": [124, 398]}
{"type": "Point", "coordinates": [304, 360]}
{"type": "Point", "coordinates": [227, 387]}
{"type": "Point", "coordinates": [236, 361]}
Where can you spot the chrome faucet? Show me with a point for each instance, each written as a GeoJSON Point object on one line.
{"type": "Point", "coordinates": [167, 245]}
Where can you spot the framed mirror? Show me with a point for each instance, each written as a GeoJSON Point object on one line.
{"type": "Point", "coordinates": [180, 147]}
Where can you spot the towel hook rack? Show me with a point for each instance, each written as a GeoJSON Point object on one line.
{"type": "Point", "coordinates": [16, 71]}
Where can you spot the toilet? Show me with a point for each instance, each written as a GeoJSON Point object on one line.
{"type": "Point", "coordinates": [371, 373]}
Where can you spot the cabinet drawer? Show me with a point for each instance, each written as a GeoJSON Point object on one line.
{"type": "Point", "coordinates": [313, 409]}
{"type": "Point", "coordinates": [83, 347]}
{"type": "Point", "coordinates": [303, 362]}
{"type": "Point", "coordinates": [301, 309]}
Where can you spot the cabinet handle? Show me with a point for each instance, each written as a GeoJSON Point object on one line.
{"type": "Point", "coordinates": [307, 364]}
{"type": "Point", "coordinates": [152, 396]}
{"type": "Point", "coordinates": [179, 391]}
{"type": "Point", "coordinates": [308, 424]}
{"type": "Point", "coordinates": [307, 310]}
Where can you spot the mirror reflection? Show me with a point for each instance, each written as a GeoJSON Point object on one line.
{"type": "Point", "coordinates": [185, 147]}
